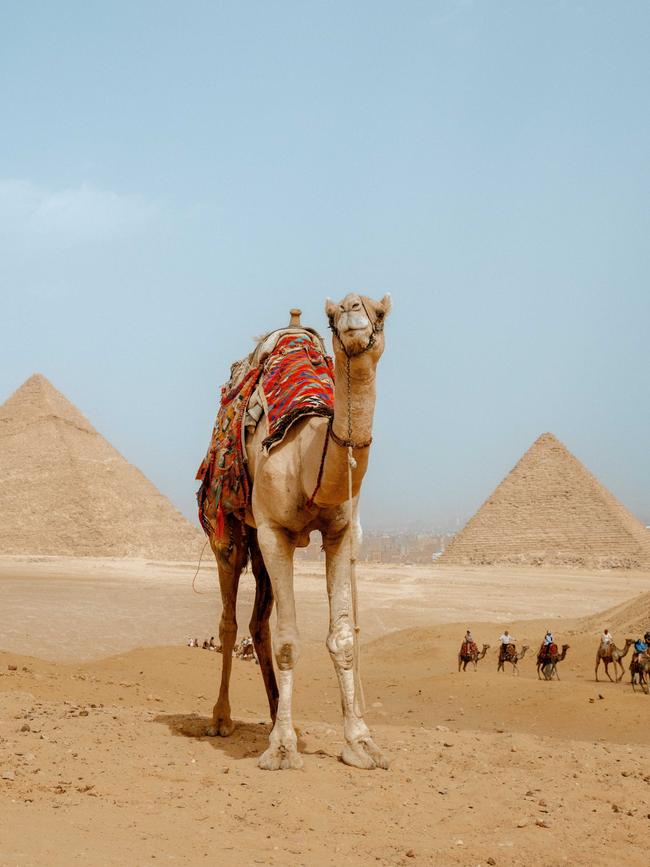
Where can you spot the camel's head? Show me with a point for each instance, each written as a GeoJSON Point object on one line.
{"type": "Point", "coordinates": [357, 324]}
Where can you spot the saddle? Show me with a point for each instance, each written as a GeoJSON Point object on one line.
{"type": "Point", "coordinates": [286, 377]}
{"type": "Point", "coordinates": [546, 651]}
{"type": "Point", "coordinates": [508, 651]}
{"type": "Point", "coordinates": [467, 648]}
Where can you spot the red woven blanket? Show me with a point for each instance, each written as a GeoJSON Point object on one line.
{"type": "Point", "coordinates": [296, 380]}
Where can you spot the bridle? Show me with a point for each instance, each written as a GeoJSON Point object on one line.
{"type": "Point", "coordinates": [349, 443]}
{"type": "Point", "coordinates": [377, 328]}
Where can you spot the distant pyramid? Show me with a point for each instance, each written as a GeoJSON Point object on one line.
{"type": "Point", "coordinates": [65, 490]}
{"type": "Point", "coordinates": [551, 510]}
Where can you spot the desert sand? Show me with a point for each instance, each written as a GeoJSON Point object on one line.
{"type": "Point", "coordinates": [103, 710]}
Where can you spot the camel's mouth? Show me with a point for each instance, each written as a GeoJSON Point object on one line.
{"type": "Point", "coordinates": [353, 322]}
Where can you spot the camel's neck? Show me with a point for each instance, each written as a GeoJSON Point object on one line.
{"type": "Point", "coordinates": [623, 652]}
{"type": "Point", "coordinates": [354, 407]}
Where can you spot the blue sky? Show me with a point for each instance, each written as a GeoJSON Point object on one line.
{"type": "Point", "coordinates": [175, 177]}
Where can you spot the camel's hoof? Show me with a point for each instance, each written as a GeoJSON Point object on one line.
{"type": "Point", "coordinates": [364, 754]}
{"type": "Point", "coordinates": [280, 758]}
{"type": "Point", "coordinates": [222, 728]}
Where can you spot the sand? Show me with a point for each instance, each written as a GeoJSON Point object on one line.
{"type": "Point", "coordinates": [103, 712]}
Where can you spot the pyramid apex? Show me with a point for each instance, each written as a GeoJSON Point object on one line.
{"type": "Point", "coordinates": [37, 399]}
{"type": "Point", "coordinates": [37, 380]}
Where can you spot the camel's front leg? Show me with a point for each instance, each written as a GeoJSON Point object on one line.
{"type": "Point", "coordinates": [360, 750]}
{"type": "Point", "coordinates": [277, 551]}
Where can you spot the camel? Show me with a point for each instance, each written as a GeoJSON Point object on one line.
{"type": "Point", "coordinates": [547, 664]}
{"type": "Point", "coordinates": [513, 658]}
{"type": "Point", "coordinates": [473, 656]}
{"type": "Point", "coordinates": [640, 672]}
{"type": "Point", "coordinates": [301, 485]}
{"type": "Point", "coordinates": [611, 653]}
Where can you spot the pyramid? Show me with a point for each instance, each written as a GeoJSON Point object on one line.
{"type": "Point", "coordinates": [64, 490]}
{"type": "Point", "coordinates": [551, 510]}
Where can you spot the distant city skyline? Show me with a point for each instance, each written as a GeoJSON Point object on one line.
{"type": "Point", "coordinates": [173, 180]}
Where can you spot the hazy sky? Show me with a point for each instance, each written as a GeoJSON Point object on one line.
{"type": "Point", "coordinates": [175, 176]}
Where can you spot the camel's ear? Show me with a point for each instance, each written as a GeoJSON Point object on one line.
{"type": "Point", "coordinates": [386, 304]}
{"type": "Point", "coordinates": [330, 310]}
{"type": "Point", "coordinates": [381, 308]}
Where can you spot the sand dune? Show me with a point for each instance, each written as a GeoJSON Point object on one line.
{"type": "Point", "coordinates": [109, 755]}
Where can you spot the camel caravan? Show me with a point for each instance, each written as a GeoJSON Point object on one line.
{"type": "Point", "coordinates": [549, 655]}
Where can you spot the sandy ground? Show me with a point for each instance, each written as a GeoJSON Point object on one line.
{"type": "Point", "coordinates": [103, 710]}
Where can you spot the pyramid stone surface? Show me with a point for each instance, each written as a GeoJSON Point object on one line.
{"type": "Point", "coordinates": [64, 490]}
{"type": "Point", "coordinates": [551, 510]}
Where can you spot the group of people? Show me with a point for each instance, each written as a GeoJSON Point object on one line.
{"type": "Point", "coordinates": [207, 645]}
{"type": "Point", "coordinates": [243, 650]}
{"type": "Point", "coordinates": [641, 645]}
{"type": "Point", "coordinates": [507, 641]}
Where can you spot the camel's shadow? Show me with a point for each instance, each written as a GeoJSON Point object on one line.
{"type": "Point", "coordinates": [247, 741]}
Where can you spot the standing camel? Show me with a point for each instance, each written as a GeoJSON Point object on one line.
{"type": "Point", "coordinates": [301, 485]}
{"type": "Point", "coordinates": [611, 653]}
{"type": "Point", "coordinates": [547, 663]}
{"type": "Point", "coordinates": [640, 672]}
{"type": "Point", "coordinates": [512, 656]}
{"type": "Point", "coordinates": [471, 654]}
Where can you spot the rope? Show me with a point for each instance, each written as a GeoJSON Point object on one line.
{"type": "Point", "coordinates": [359, 698]}
{"type": "Point", "coordinates": [194, 590]}
{"type": "Point", "coordinates": [310, 501]}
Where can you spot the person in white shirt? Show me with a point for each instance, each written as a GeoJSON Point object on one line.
{"type": "Point", "coordinates": [606, 638]}
{"type": "Point", "coordinates": [506, 639]}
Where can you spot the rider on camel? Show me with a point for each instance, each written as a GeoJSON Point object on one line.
{"type": "Point", "coordinates": [468, 643]}
{"type": "Point", "coordinates": [545, 651]}
{"type": "Point", "coordinates": [506, 640]}
{"type": "Point", "coordinates": [607, 642]}
{"type": "Point", "coordinates": [640, 647]}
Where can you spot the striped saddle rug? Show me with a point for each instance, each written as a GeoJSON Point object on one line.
{"type": "Point", "coordinates": [290, 379]}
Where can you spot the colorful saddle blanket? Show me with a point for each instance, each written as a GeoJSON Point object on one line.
{"type": "Point", "coordinates": [547, 650]}
{"type": "Point", "coordinates": [468, 647]}
{"type": "Point", "coordinates": [294, 378]}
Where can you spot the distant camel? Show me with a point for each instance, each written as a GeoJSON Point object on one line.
{"type": "Point", "coordinates": [547, 663]}
{"type": "Point", "coordinates": [640, 672]}
{"type": "Point", "coordinates": [611, 653]}
{"type": "Point", "coordinates": [469, 654]}
{"type": "Point", "coordinates": [512, 656]}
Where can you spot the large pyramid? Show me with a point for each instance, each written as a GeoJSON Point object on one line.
{"type": "Point", "coordinates": [551, 510]}
{"type": "Point", "coordinates": [65, 490]}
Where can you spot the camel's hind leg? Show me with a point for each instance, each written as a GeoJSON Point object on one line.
{"type": "Point", "coordinates": [231, 553]}
{"type": "Point", "coordinates": [259, 625]}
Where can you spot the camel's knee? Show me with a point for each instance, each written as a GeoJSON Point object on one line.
{"type": "Point", "coordinates": [227, 629]}
{"type": "Point", "coordinates": [340, 643]}
{"type": "Point", "coordinates": [286, 648]}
